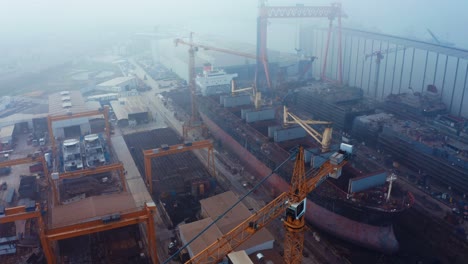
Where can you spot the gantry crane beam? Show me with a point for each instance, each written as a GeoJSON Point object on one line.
{"type": "Point", "coordinates": [299, 188]}
{"type": "Point", "coordinates": [145, 215]}
{"type": "Point", "coordinates": [92, 171]}
{"type": "Point", "coordinates": [19, 213]}
{"type": "Point", "coordinates": [26, 160]}
{"type": "Point", "coordinates": [174, 149]}
{"type": "Point", "coordinates": [323, 139]}
{"type": "Point", "coordinates": [265, 12]}
{"type": "Point", "coordinates": [53, 118]}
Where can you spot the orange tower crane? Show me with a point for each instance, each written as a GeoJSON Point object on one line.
{"type": "Point", "coordinates": [292, 202]}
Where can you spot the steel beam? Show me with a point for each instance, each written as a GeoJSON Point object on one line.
{"type": "Point", "coordinates": [402, 67]}
{"type": "Point", "coordinates": [454, 83]}
{"type": "Point", "coordinates": [385, 72]}
{"type": "Point", "coordinates": [463, 92]}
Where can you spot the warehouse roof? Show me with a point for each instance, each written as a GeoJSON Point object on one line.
{"type": "Point", "coordinates": [189, 231]}
{"type": "Point", "coordinates": [7, 131]}
{"type": "Point", "coordinates": [65, 102]}
{"type": "Point", "coordinates": [127, 106]}
{"type": "Point", "coordinates": [116, 81]}
{"type": "Point", "coordinates": [407, 42]}
{"type": "Point", "coordinates": [216, 205]}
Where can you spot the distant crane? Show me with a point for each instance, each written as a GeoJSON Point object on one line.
{"type": "Point", "coordinates": [379, 56]}
{"type": "Point", "coordinates": [195, 120]}
{"type": "Point", "coordinates": [437, 41]}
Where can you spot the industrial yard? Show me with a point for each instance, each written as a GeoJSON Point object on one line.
{"type": "Point", "coordinates": [168, 146]}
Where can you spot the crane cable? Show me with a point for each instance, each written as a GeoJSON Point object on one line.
{"type": "Point", "coordinates": [230, 208]}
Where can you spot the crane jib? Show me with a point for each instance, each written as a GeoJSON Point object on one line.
{"type": "Point", "coordinates": [322, 180]}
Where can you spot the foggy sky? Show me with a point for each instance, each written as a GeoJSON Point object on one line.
{"type": "Point", "coordinates": [69, 24]}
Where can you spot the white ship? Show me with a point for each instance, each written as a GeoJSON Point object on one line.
{"type": "Point", "coordinates": [71, 150]}
{"type": "Point", "coordinates": [213, 82]}
{"type": "Point", "coordinates": [94, 151]}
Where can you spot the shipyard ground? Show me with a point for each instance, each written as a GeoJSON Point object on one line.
{"type": "Point", "coordinates": [422, 238]}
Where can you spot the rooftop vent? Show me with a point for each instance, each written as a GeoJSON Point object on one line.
{"type": "Point", "coordinates": [66, 104]}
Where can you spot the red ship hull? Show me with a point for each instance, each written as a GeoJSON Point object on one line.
{"type": "Point", "coordinates": [377, 238]}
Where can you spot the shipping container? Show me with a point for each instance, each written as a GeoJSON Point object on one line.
{"type": "Point", "coordinates": [271, 130]}
{"type": "Point", "coordinates": [238, 100]}
{"type": "Point", "coordinates": [245, 111]}
{"type": "Point", "coordinates": [260, 115]}
{"type": "Point", "coordinates": [289, 134]}
{"type": "Point", "coordinates": [365, 182]}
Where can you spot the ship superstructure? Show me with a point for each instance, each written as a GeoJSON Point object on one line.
{"type": "Point", "coordinates": [94, 151]}
{"type": "Point", "coordinates": [71, 153]}
{"type": "Point", "coordinates": [214, 81]}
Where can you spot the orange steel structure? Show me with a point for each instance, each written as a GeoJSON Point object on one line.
{"type": "Point", "coordinates": [174, 149]}
{"type": "Point", "coordinates": [299, 11]}
{"type": "Point", "coordinates": [32, 159]}
{"type": "Point", "coordinates": [22, 213]}
{"type": "Point", "coordinates": [145, 215]}
{"type": "Point", "coordinates": [92, 171]}
{"type": "Point", "coordinates": [293, 203]}
{"type": "Point", "coordinates": [103, 111]}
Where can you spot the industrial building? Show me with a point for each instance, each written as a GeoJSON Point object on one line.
{"type": "Point", "coordinates": [7, 136]}
{"type": "Point", "coordinates": [211, 208]}
{"type": "Point", "coordinates": [69, 103]}
{"type": "Point", "coordinates": [130, 110]}
{"type": "Point", "coordinates": [118, 85]}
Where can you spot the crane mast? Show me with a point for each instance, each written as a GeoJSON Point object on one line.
{"type": "Point", "coordinates": [195, 120]}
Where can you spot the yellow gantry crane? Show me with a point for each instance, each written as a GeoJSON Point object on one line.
{"type": "Point", "coordinates": [324, 139]}
{"type": "Point", "coordinates": [256, 95]}
{"type": "Point", "coordinates": [292, 202]}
